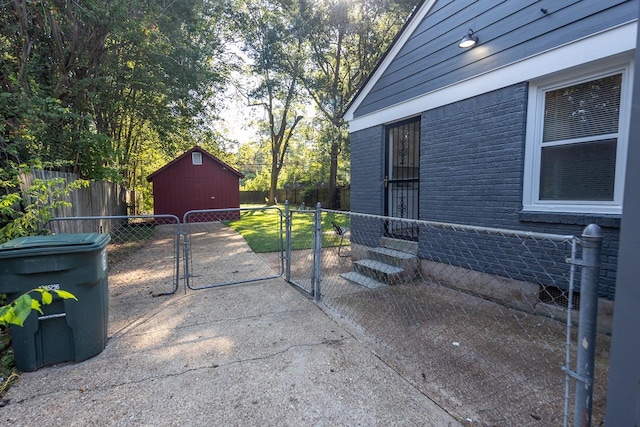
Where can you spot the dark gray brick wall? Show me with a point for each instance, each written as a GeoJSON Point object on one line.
{"type": "Point", "coordinates": [472, 159]}
{"type": "Point", "coordinates": [471, 171]}
{"type": "Point", "coordinates": [472, 164]}
{"type": "Point", "coordinates": [367, 171]}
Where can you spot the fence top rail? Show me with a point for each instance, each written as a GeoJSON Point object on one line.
{"type": "Point", "coordinates": [201, 211]}
{"type": "Point", "coordinates": [257, 208]}
{"type": "Point", "coordinates": [463, 227]}
{"type": "Point", "coordinates": [86, 218]}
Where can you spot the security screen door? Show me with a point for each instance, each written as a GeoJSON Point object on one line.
{"type": "Point", "coordinates": [402, 177]}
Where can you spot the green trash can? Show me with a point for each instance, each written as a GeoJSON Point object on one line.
{"type": "Point", "coordinates": [68, 330]}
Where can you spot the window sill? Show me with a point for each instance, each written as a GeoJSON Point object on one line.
{"type": "Point", "coordinates": [603, 220]}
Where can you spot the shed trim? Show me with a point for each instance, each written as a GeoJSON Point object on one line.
{"type": "Point", "coordinates": [188, 153]}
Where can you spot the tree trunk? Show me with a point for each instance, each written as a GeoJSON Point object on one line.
{"type": "Point", "coordinates": [333, 175]}
{"type": "Point", "coordinates": [275, 172]}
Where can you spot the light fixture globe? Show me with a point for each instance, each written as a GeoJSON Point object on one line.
{"type": "Point", "coordinates": [469, 40]}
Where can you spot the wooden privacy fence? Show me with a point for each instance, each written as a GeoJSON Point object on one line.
{"type": "Point", "coordinates": [297, 196]}
{"type": "Point", "coordinates": [100, 198]}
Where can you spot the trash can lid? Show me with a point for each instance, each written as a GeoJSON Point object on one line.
{"type": "Point", "coordinates": [57, 243]}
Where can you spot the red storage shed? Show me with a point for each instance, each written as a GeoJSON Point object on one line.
{"type": "Point", "coordinates": [195, 180]}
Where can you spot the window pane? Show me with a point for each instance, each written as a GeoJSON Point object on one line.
{"type": "Point", "coordinates": [585, 109]}
{"type": "Point", "coordinates": [584, 171]}
{"type": "Point", "coordinates": [196, 158]}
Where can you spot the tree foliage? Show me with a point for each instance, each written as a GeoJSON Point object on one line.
{"type": "Point", "coordinates": [17, 311]}
{"type": "Point", "coordinates": [101, 83]}
{"type": "Point", "coordinates": [274, 47]}
{"type": "Point", "coordinates": [323, 51]}
{"type": "Point", "coordinates": [346, 40]}
{"type": "Point", "coordinates": [24, 211]}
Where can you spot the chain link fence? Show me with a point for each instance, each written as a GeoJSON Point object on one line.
{"type": "Point", "coordinates": [144, 260]}
{"type": "Point", "coordinates": [476, 318]}
{"type": "Point", "coordinates": [482, 321]}
{"type": "Point", "coordinates": [216, 254]}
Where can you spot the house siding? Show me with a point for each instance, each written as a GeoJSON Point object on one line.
{"type": "Point", "coordinates": [471, 171]}
{"type": "Point", "coordinates": [512, 31]}
{"type": "Point", "coordinates": [367, 166]}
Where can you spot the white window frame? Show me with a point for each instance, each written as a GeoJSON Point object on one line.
{"type": "Point", "coordinates": [533, 148]}
{"type": "Point", "coordinates": [196, 158]}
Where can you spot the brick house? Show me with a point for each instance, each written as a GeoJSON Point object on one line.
{"type": "Point", "coordinates": [528, 129]}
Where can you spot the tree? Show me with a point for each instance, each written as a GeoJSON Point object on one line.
{"type": "Point", "coordinates": [275, 50]}
{"type": "Point", "coordinates": [168, 78]}
{"type": "Point", "coordinates": [100, 86]}
{"type": "Point", "coordinates": [92, 82]}
{"type": "Point", "coordinates": [346, 39]}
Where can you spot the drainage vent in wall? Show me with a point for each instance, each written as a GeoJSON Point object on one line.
{"type": "Point", "coordinates": [560, 297]}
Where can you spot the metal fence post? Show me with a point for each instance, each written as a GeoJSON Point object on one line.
{"type": "Point", "coordinates": [287, 224]}
{"type": "Point", "coordinates": [185, 249]}
{"type": "Point", "coordinates": [568, 344]}
{"type": "Point", "coordinates": [178, 240]}
{"type": "Point", "coordinates": [590, 272]}
{"type": "Point", "coordinates": [317, 252]}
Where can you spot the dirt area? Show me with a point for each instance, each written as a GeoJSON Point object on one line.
{"type": "Point", "coordinates": [138, 273]}
{"type": "Point", "coordinates": [480, 360]}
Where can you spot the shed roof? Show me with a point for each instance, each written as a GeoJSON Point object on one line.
{"type": "Point", "coordinates": [187, 153]}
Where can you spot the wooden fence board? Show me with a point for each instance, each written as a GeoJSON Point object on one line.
{"type": "Point", "coordinates": [100, 198]}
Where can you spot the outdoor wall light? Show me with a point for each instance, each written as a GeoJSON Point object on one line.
{"type": "Point", "coordinates": [469, 40]}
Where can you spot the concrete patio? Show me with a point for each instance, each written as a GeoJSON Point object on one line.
{"type": "Point", "coordinates": [253, 354]}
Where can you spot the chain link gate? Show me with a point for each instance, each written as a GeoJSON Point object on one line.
{"type": "Point", "coordinates": [479, 319]}
{"type": "Point", "coordinates": [216, 255]}
{"type": "Point", "coordinates": [300, 244]}
{"type": "Point", "coordinates": [133, 238]}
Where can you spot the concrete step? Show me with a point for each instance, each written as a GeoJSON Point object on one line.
{"type": "Point", "coordinates": [389, 274]}
{"type": "Point", "coordinates": [362, 280]}
{"type": "Point", "coordinates": [400, 245]}
{"type": "Point", "coordinates": [393, 257]}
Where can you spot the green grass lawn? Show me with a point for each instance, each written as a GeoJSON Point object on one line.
{"type": "Point", "coordinates": [261, 229]}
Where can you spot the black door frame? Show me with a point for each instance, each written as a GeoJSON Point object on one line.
{"type": "Point", "coordinates": [402, 178]}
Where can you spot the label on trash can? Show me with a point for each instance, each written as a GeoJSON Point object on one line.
{"type": "Point", "coordinates": [51, 287]}
{"type": "Point", "coordinates": [104, 260]}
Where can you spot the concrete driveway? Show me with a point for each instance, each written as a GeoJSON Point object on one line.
{"type": "Point", "coordinates": [253, 354]}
